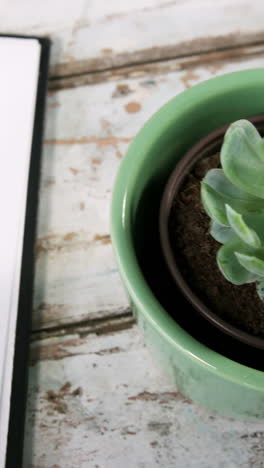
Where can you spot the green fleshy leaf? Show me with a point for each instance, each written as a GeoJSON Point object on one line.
{"type": "Point", "coordinates": [261, 148]}
{"type": "Point", "coordinates": [253, 264]}
{"type": "Point", "coordinates": [217, 191]}
{"type": "Point", "coordinates": [220, 232]}
{"type": "Point", "coordinates": [218, 181]}
{"type": "Point", "coordinates": [229, 265]}
{"type": "Point", "coordinates": [260, 289]}
{"type": "Point", "coordinates": [246, 234]}
{"type": "Point", "coordinates": [249, 130]}
{"type": "Point", "coordinates": [256, 222]}
{"type": "Point", "coordinates": [213, 205]}
{"type": "Point", "coordinates": [242, 158]}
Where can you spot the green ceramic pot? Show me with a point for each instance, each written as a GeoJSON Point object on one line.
{"type": "Point", "coordinates": [202, 374]}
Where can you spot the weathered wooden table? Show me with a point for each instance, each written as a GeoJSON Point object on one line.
{"type": "Point", "coordinates": [96, 398]}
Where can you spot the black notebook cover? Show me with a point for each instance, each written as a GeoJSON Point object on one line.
{"type": "Point", "coordinates": [14, 441]}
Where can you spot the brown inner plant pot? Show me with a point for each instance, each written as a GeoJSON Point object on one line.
{"type": "Point", "coordinates": [190, 251]}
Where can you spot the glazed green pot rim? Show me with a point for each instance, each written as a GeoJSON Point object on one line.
{"type": "Point", "coordinates": [122, 205]}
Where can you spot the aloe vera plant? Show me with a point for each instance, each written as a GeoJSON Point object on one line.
{"type": "Point", "coordinates": [233, 197]}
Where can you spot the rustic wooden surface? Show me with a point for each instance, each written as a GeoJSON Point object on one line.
{"type": "Point", "coordinates": [100, 401]}
{"type": "Point", "coordinates": [96, 399]}
{"type": "Point", "coordinates": [99, 34]}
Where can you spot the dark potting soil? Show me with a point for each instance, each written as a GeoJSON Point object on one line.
{"type": "Point", "coordinates": [195, 251]}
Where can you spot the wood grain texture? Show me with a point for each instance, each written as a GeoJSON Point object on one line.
{"type": "Point", "coordinates": [216, 59]}
{"type": "Point", "coordinates": [97, 35]}
{"type": "Point", "coordinates": [101, 402]}
{"type": "Point", "coordinates": [88, 130]}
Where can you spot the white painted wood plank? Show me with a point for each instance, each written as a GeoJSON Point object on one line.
{"type": "Point", "coordinates": [95, 34]}
{"type": "Point", "coordinates": [88, 130]}
{"type": "Point", "coordinates": [100, 401]}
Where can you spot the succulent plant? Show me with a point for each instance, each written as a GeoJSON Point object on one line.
{"type": "Point", "coordinates": [233, 197]}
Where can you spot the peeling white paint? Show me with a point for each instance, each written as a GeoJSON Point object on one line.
{"type": "Point", "coordinates": [115, 32]}
{"type": "Point", "coordinates": [126, 414]}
